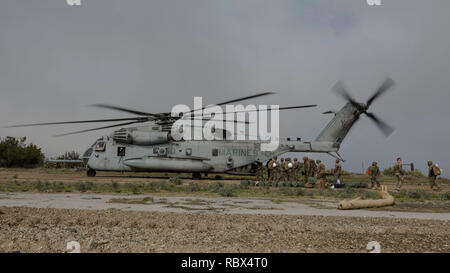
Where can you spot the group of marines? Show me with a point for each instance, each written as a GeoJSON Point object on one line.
{"type": "Point", "coordinates": [287, 170]}
{"type": "Point", "coordinates": [433, 172]}
{"type": "Point", "coordinates": [292, 170]}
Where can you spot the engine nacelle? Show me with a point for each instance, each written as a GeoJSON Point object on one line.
{"type": "Point", "coordinates": [141, 137]}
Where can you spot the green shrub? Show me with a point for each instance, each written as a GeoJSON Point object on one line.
{"type": "Point", "coordinates": [244, 183]}
{"type": "Point", "coordinates": [299, 192]}
{"type": "Point", "coordinates": [176, 180]}
{"type": "Point", "coordinates": [312, 179]}
{"type": "Point", "coordinates": [419, 194]}
{"type": "Point", "coordinates": [226, 191]}
{"type": "Point", "coordinates": [115, 186]}
{"type": "Point", "coordinates": [80, 186]}
{"type": "Point", "coordinates": [133, 188]}
{"type": "Point", "coordinates": [287, 191]}
{"type": "Point", "coordinates": [274, 183]}
{"type": "Point", "coordinates": [215, 187]}
{"type": "Point", "coordinates": [39, 186]}
{"type": "Point", "coordinates": [445, 196]}
{"type": "Point", "coordinates": [193, 187]}
{"type": "Point", "coordinates": [356, 185]}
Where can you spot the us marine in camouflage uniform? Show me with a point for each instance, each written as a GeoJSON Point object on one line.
{"type": "Point", "coordinates": [259, 171]}
{"type": "Point", "coordinates": [433, 172]}
{"type": "Point", "coordinates": [374, 171]}
{"type": "Point", "coordinates": [321, 175]}
{"type": "Point", "coordinates": [281, 171]}
{"type": "Point", "coordinates": [295, 170]}
{"type": "Point", "coordinates": [313, 168]}
{"type": "Point", "coordinates": [270, 169]}
{"type": "Point", "coordinates": [289, 170]}
{"type": "Point", "coordinates": [337, 172]}
{"type": "Point", "coordinates": [399, 173]}
{"type": "Point", "coordinates": [306, 168]}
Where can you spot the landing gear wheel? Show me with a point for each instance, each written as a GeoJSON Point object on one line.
{"type": "Point", "coordinates": [196, 176]}
{"type": "Point", "coordinates": [91, 173]}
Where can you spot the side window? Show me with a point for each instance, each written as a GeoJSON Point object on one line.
{"type": "Point", "coordinates": [188, 151]}
{"type": "Point", "coordinates": [215, 152]}
{"type": "Point", "coordinates": [120, 151]}
{"type": "Point", "coordinates": [100, 146]}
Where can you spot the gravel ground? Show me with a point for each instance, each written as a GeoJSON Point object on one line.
{"type": "Point", "coordinates": [49, 230]}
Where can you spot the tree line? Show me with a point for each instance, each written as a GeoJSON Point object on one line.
{"type": "Point", "coordinates": [15, 152]}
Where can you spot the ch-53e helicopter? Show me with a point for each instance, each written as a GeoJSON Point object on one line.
{"type": "Point", "coordinates": [151, 147]}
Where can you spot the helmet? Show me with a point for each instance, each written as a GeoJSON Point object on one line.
{"type": "Point", "coordinates": [318, 161]}
{"type": "Point", "coordinates": [430, 163]}
{"type": "Point", "coordinates": [374, 163]}
{"type": "Point", "coordinates": [337, 161]}
{"type": "Point", "coordinates": [305, 158]}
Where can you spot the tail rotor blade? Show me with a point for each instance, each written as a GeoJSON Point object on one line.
{"type": "Point", "coordinates": [341, 90]}
{"type": "Point", "coordinates": [384, 127]}
{"type": "Point", "coordinates": [387, 84]}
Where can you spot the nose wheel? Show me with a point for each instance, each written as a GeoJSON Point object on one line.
{"type": "Point", "coordinates": [91, 173]}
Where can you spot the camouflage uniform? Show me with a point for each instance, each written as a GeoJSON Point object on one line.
{"type": "Point", "coordinates": [321, 175]}
{"type": "Point", "coordinates": [295, 170]}
{"type": "Point", "coordinates": [432, 176]}
{"type": "Point", "coordinates": [399, 173]}
{"type": "Point", "coordinates": [337, 172]}
{"type": "Point", "coordinates": [306, 168]}
{"type": "Point", "coordinates": [374, 171]}
{"type": "Point", "coordinates": [279, 170]}
{"type": "Point", "coordinates": [259, 171]}
{"type": "Point", "coordinates": [289, 170]}
{"type": "Point", "coordinates": [270, 169]}
{"type": "Point", "coordinates": [313, 168]}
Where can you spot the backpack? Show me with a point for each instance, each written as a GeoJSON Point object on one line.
{"type": "Point", "coordinates": [436, 170]}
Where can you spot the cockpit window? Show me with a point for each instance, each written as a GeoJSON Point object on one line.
{"type": "Point", "coordinates": [100, 146]}
{"type": "Point", "coordinates": [88, 153]}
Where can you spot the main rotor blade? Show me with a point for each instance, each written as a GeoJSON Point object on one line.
{"type": "Point", "coordinates": [223, 120]}
{"type": "Point", "coordinates": [388, 83]}
{"type": "Point", "coordinates": [125, 110]}
{"type": "Point", "coordinates": [384, 127]}
{"type": "Point", "coordinates": [99, 128]}
{"type": "Point", "coordinates": [257, 110]}
{"type": "Point", "coordinates": [246, 98]}
{"type": "Point", "coordinates": [78, 121]}
{"type": "Point", "coordinates": [236, 100]}
{"type": "Point", "coordinates": [341, 90]}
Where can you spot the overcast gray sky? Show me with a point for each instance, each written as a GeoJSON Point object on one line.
{"type": "Point", "coordinates": [150, 55]}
